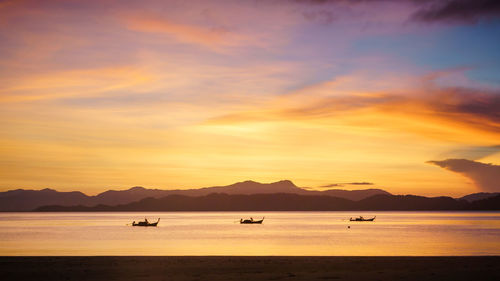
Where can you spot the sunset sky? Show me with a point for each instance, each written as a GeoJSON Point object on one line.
{"type": "Point", "coordinates": [183, 94]}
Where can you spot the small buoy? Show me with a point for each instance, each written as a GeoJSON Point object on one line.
{"type": "Point", "coordinates": [348, 226]}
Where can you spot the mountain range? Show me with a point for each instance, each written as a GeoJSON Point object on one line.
{"type": "Point", "coordinates": [26, 200]}
{"type": "Point", "coordinates": [286, 202]}
{"type": "Point", "coordinates": [247, 195]}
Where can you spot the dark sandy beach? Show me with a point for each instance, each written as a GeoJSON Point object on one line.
{"type": "Point", "coordinates": [250, 268]}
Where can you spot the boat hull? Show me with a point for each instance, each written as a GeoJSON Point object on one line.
{"type": "Point", "coordinates": [144, 224]}
{"type": "Point", "coordinates": [361, 219]}
{"type": "Point", "coordinates": [251, 221]}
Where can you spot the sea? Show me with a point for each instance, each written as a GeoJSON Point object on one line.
{"type": "Point", "coordinates": [281, 234]}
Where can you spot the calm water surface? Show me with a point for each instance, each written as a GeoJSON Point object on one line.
{"type": "Point", "coordinates": [282, 233]}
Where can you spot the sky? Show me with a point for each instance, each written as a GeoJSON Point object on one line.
{"type": "Point", "coordinates": [399, 95]}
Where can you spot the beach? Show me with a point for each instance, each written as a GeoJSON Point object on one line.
{"type": "Point", "coordinates": [193, 268]}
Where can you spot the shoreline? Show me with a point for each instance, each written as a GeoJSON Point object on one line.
{"type": "Point", "coordinates": [215, 268]}
{"type": "Point", "coordinates": [251, 210]}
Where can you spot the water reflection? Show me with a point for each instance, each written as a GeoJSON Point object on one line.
{"type": "Point", "coordinates": [282, 233]}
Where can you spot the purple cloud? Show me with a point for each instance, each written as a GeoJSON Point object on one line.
{"type": "Point", "coordinates": [485, 176]}
{"type": "Point", "coordinates": [458, 10]}
{"type": "Point", "coordinates": [347, 183]}
{"type": "Point", "coordinates": [432, 10]}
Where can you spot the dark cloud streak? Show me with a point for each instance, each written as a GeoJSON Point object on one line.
{"type": "Point", "coordinates": [485, 176]}
{"type": "Point", "coordinates": [332, 185]}
{"type": "Point", "coordinates": [347, 183]}
{"type": "Point", "coordinates": [458, 10]}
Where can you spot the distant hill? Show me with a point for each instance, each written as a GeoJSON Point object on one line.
{"type": "Point", "coordinates": [287, 202]}
{"type": "Point", "coordinates": [26, 200]}
{"type": "Point", "coordinates": [220, 202]}
{"type": "Point", "coordinates": [410, 202]}
{"type": "Point", "coordinates": [478, 196]}
{"type": "Point", "coordinates": [490, 203]}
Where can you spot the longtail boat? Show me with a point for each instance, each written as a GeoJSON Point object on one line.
{"type": "Point", "coordinates": [146, 223]}
{"type": "Point", "coordinates": [362, 219]}
{"type": "Point", "coordinates": [250, 221]}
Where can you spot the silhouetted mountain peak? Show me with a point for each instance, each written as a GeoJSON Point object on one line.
{"type": "Point", "coordinates": [137, 188]}
{"type": "Point", "coordinates": [286, 182]}
{"type": "Point", "coordinates": [247, 182]}
{"type": "Point", "coordinates": [251, 182]}
{"type": "Point", "coordinates": [288, 202]}
{"type": "Point", "coordinates": [252, 187]}
{"type": "Point", "coordinates": [244, 183]}
{"type": "Point", "coordinates": [30, 199]}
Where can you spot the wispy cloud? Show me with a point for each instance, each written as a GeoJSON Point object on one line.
{"type": "Point", "coordinates": [436, 107]}
{"type": "Point", "coordinates": [183, 32]}
{"type": "Point", "coordinates": [74, 83]}
{"type": "Point", "coordinates": [332, 185]}
{"type": "Point", "coordinates": [347, 183]}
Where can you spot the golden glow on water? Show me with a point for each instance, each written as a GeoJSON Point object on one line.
{"type": "Point", "coordinates": [283, 233]}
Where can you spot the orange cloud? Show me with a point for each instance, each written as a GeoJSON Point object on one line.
{"type": "Point", "coordinates": [74, 83]}
{"type": "Point", "coordinates": [211, 35]}
{"type": "Point", "coordinates": [452, 113]}
{"type": "Point", "coordinates": [182, 32]}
